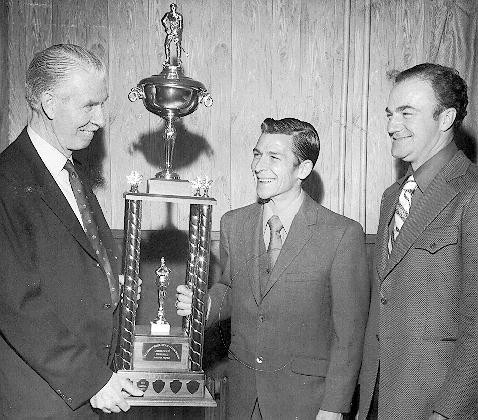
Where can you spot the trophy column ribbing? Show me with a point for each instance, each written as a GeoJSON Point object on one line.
{"type": "Point", "coordinates": [192, 258]}
{"type": "Point", "coordinates": [131, 278]}
{"type": "Point", "coordinates": [200, 285]}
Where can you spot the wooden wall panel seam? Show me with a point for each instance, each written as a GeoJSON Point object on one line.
{"type": "Point", "coordinates": [364, 119]}
{"type": "Point", "coordinates": [343, 110]}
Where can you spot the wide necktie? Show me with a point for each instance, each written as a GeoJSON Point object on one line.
{"type": "Point", "coordinates": [91, 228]}
{"type": "Point", "coordinates": [402, 210]}
{"type": "Point", "coordinates": [275, 244]}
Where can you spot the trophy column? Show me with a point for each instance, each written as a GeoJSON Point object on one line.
{"type": "Point", "coordinates": [167, 367]}
{"type": "Point", "coordinates": [131, 279]}
{"type": "Point", "coordinates": [202, 216]}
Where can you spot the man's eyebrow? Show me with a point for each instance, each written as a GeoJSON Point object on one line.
{"type": "Point", "coordinates": [401, 108]}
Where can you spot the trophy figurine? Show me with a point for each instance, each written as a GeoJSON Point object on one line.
{"type": "Point", "coordinates": [159, 326]}
{"type": "Point", "coordinates": [170, 95]}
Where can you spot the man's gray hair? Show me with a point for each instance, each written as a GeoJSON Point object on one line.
{"type": "Point", "coordinates": [54, 65]}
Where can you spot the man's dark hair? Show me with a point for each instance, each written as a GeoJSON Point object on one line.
{"type": "Point", "coordinates": [305, 140]}
{"type": "Point", "coordinates": [450, 89]}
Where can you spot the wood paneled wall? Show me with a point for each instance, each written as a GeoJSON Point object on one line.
{"type": "Point", "coordinates": [322, 61]}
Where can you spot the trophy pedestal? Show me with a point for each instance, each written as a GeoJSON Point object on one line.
{"type": "Point", "coordinates": [168, 368]}
{"type": "Point", "coordinates": [161, 371]}
{"type": "Point", "coordinates": [169, 186]}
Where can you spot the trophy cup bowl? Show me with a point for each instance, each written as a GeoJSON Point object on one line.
{"type": "Point", "coordinates": [170, 95]}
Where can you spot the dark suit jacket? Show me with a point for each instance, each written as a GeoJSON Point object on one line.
{"type": "Point", "coordinates": [423, 324]}
{"type": "Point", "coordinates": [56, 314]}
{"type": "Point", "coordinates": [299, 348]}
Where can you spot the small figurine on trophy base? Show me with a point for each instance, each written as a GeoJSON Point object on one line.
{"type": "Point", "coordinates": [159, 326]}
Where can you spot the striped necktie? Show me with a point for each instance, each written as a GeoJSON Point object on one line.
{"type": "Point", "coordinates": [91, 228]}
{"type": "Point", "coordinates": [402, 210]}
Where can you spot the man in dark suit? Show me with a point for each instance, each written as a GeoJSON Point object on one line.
{"type": "Point", "coordinates": [298, 310]}
{"type": "Point", "coordinates": [59, 268]}
{"type": "Point", "coordinates": [420, 356]}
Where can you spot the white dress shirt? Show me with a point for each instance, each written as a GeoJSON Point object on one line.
{"type": "Point", "coordinates": [55, 161]}
{"type": "Point", "coordinates": [286, 217]}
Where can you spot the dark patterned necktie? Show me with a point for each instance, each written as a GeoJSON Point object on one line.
{"type": "Point", "coordinates": [91, 228]}
{"type": "Point", "coordinates": [402, 210]}
{"type": "Point", "coordinates": [275, 244]}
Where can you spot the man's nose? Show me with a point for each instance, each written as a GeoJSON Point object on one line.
{"type": "Point", "coordinates": [394, 125]}
{"type": "Point", "coordinates": [98, 116]}
{"type": "Point", "coordinates": [258, 164]}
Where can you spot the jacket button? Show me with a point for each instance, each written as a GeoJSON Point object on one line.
{"type": "Point", "coordinates": [69, 400]}
{"type": "Point", "coordinates": [107, 346]}
{"type": "Point", "coordinates": [107, 306]}
{"type": "Point", "coordinates": [383, 300]}
{"type": "Point", "coordinates": [268, 270]}
{"type": "Point", "coordinates": [259, 359]}
{"type": "Point", "coordinates": [261, 318]}
{"type": "Point", "coordinates": [433, 245]}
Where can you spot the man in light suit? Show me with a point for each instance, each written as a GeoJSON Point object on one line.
{"type": "Point", "coordinates": [421, 345]}
{"type": "Point", "coordinates": [58, 287]}
{"type": "Point", "coordinates": [298, 310]}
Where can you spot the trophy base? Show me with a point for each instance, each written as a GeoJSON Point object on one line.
{"type": "Point", "coordinates": [169, 389]}
{"type": "Point", "coordinates": [169, 186]}
{"type": "Point", "coordinates": [160, 329]}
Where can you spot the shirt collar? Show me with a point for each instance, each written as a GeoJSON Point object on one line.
{"type": "Point", "coordinates": [286, 216]}
{"type": "Point", "coordinates": [53, 159]}
{"type": "Point", "coordinates": [425, 174]}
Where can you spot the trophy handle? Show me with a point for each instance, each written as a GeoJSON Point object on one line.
{"type": "Point", "coordinates": [206, 99]}
{"type": "Point", "coordinates": [136, 93]}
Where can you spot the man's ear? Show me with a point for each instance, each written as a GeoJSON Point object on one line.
{"type": "Point", "coordinates": [48, 104]}
{"type": "Point", "coordinates": [305, 168]}
{"type": "Point", "coordinates": [447, 118]}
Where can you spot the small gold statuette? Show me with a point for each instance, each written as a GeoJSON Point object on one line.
{"type": "Point", "coordinates": [201, 186]}
{"type": "Point", "coordinates": [134, 179]}
{"type": "Point", "coordinates": [159, 326]}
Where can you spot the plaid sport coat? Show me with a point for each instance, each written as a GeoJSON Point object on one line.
{"type": "Point", "coordinates": [423, 322]}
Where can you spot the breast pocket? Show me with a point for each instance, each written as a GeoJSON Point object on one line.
{"type": "Point", "coordinates": [435, 240]}
{"type": "Point", "coordinates": [438, 253]}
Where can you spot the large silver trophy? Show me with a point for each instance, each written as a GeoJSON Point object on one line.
{"type": "Point", "coordinates": [166, 362]}
{"type": "Point", "coordinates": [171, 95]}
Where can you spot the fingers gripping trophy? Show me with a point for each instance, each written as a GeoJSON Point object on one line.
{"type": "Point", "coordinates": [162, 360]}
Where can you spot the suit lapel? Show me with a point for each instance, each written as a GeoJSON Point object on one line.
{"type": "Point", "coordinates": [389, 203]}
{"type": "Point", "coordinates": [253, 241]}
{"type": "Point", "coordinates": [437, 196]}
{"type": "Point", "coordinates": [51, 194]}
{"type": "Point", "coordinates": [299, 234]}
